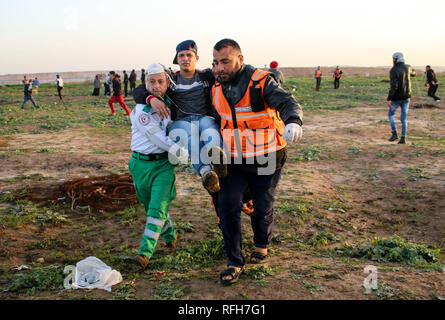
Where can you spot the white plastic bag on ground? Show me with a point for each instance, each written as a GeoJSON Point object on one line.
{"type": "Point", "coordinates": [92, 273]}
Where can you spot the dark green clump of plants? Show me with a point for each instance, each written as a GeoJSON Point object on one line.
{"type": "Point", "coordinates": [394, 249]}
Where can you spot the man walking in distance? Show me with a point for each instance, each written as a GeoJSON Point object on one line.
{"type": "Point", "coordinates": [337, 75]}
{"type": "Point", "coordinates": [132, 79]}
{"type": "Point", "coordinates": [125, 83]}
{"type": "Point", "coordinates": [59, 85]}
{"type": "Point", "coordinates": [248, 100]}
{"type": "Point", "coordinates": [399, 94]}
{"type": "Point", "coordinates": [317, 76]}
{"type": "Point", "coordinates": [431, 80]}
{"type": "Point", "coordinates": [117, 95]}
{"type": "Point", "coordinates": [27, 91]}
{"type": "Point", "coordinates": [142, 76]}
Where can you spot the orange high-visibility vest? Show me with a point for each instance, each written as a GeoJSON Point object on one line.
{"type": "Point", "coordinates": [246, 132]}
{"type": "Point", "coordinates": [318, 74]}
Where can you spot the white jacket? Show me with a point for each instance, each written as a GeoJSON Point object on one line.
{"type": "Point", "coordinates": [149, 132]}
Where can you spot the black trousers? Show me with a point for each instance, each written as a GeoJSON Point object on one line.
{"type": "Point", "coordinates": [132, 86]}
{"type": "Point", "coordinates": [96, 91]}
{"type": "Point", "coordinates": [125, 88]}
{"type": "Point", "coordinates": [317, 84]}
{"type": "Point", "coordinates": [336, 83]}
{"type": "Point", "coordinates": [230, 199]}
{"type": "Point", "coordinates": [107, 89]}
{"type": "Point", "coordinates": [432, 91]}
{"type": "Point", "coordinates": [59, 91]}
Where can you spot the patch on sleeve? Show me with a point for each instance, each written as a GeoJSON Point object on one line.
{"type": "Point", "coordinates": [144, 119]}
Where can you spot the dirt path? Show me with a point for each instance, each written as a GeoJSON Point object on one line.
{"type": "Point", "coordinates": [357, 185]}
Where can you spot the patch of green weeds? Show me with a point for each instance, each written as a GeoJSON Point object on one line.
{"type": "Point", "coordinates": [322, 239]}
{"type": "Point", "coordinates": [131, 214]}
{"type": "Point", "coordinates": [310, 154]}
{"type": "Point", "coordinates": [394, 249]}
{"type": "Point", "coordinates": [258, 272]}
{"type": "Point", "coordinates": [298, 208]}
{"type": "Point", "coordinates": [416, 173]}
{"type": "Point", "coordinates": [385, 292]}
{"type": "Point", "coordinates": [203, 253]}
{"type": "Point", "coordinates": [33, 177]}
{"type": "Point", "coordinates": [51, 217]}
{"type": "Point", "coordinates": [184, 227]}
{"type": "Point", "coordinates": [385, 155]}
{"type": "Point", "coordinates": [19, 214]}
{"type": "Point", "coordinates": [170, 291]}
{"type": "Point", "coordinates": [336, 205]}
{"type": "Point", "coordinates": [353, 150]}
{"type": "Point", "coordinates": [312, 287]}
{"type": "Point", "coordinates": [49, 243]}
{"type": "Point", "coordinates": [98, 151]}
{"type": "Point", "coordinates": [40, 279]}
{"type": "Point", "coordinates": [125, 291]}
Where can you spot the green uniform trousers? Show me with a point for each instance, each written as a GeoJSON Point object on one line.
{"type": "Point", "coordinates": [154, 182]}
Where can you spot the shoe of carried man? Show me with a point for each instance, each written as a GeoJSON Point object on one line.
{"type": "Point", "coordinates": [218, 159]}
{"type": "Point", "coordinates": [142, 260]}
{"type": "Point", "coordinates": [210, 181]}
{"type": "Point", "coordinates": [402, 140]}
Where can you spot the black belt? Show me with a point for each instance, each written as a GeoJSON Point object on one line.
{"type": "Point", "coordinates": [150, 157]}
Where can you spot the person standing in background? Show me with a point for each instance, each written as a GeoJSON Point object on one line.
{"type": "Point", "coordinates": [35, 85]}
{"type": "Point", "coordinates": [96, 91]}
{"type": "Point", "coordinates": [317, 75]}
{"type": "Point", "coordinates": [142, 76]}
{"type": "Point", "coordinates": [431, 80]}
{"type": "Point", "coordinates": [278, 75]}
{"type": "Point", "coordinates": [337, 75]}
{"type": "Point", "coordinates": [125, 83]}
{"type": "Point", "coordinates": [399, 94]}
{"type": "Point", "coordinates": [107, 84]}
{"type": "Point", "coordinates": [133, 78]}
{"type": "Point", "coordinates": [27, 90]}
{"type": "Point", "coordinates": [117, 95]}
{"type": "Point", "coordinates": [59, 85]}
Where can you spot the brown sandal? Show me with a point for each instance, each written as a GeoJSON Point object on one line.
{"type": "Point", "coordinates": [231, 271]}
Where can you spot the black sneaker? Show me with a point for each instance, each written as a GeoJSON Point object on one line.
{"type": "Point", "coordinates": [394, 137]}
{"type": "Point", "coordinates": [402, 140]}
{"type": "Point", "coordinates": [210, 181]}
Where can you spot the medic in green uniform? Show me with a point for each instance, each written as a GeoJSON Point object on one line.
{"type": "Point", "coordinates": [151, 167]}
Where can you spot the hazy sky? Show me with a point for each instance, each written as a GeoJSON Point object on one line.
{"type": "Point", "coordinates": [55, 36]}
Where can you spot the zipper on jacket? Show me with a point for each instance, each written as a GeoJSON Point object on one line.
{"type": "Point", "coordinates": [235, 124]}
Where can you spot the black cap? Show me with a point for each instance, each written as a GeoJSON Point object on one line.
{"type": "Point", "coordinates": [185, 45]}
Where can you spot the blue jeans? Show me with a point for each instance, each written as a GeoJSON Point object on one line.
{"type": "Point", "coordinates": [197, 134]}
{"type": "Point", "coordinates": [25, 100]}
{"type": "Point", "coordinates": [404, 105]}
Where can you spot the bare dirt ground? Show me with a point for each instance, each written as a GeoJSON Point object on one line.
{"type": "Point", "coordinates": [359, 188]}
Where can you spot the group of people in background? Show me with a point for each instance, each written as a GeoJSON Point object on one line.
{"type": "Point", "coordinates": [31, 86]}
{"type": "Point", "coordinates": [336, 75]}
{"type": "Point", "coordinates": [108, 82]}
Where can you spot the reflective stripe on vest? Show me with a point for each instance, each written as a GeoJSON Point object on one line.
{"type": "Point", "coordinates": [259, 132]}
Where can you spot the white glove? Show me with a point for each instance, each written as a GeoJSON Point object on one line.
{"type": "Point", "coordinates": [292, 132]}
